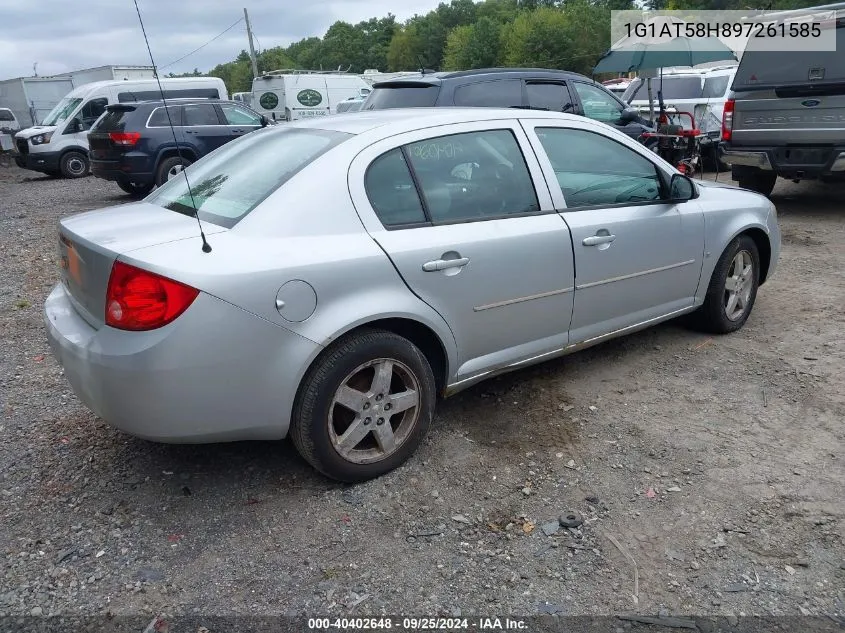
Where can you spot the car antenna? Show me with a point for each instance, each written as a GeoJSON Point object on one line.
{"type": "Point", "coordinates": [422, 66]}
{"type": "Point", "coordinates": [206, 247]}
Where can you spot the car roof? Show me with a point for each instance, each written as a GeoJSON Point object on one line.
{"type": "Point", "coordinates": [398, 120]}
{"type": "Point", "coordinates": [440, 77]}
{"type": "Point", "coordinates": [174, 101]}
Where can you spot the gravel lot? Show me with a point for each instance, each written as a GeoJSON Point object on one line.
{"type": "Point", "coordinates": [711, 466]}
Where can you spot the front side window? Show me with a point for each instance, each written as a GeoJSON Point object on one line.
{"type": "Point", "coordinates": [234, 179]}
{"type": "Point", "coordinates": [501, 93]}
{"type": "Point", "coordinates": [597, 103]}
{"type": "Point", "coordinates": [200, 114]}
{"type": "Point", "coordinates": [593, 170]}
{"type": "Point", "coordinates": [238, 116]}
{"type": "Point", "coordinates": [6, 115]}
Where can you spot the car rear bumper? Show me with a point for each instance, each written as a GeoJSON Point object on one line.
{"type": "Point", "coordinates": [832, 161]}
{"type": "Point", "coordinates": [217, 373]}
{"type": "Point", "coordinates": [121, 172]}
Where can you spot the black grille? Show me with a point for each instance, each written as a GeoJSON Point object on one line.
{"type": "Point", "coordinates": [23, 146]}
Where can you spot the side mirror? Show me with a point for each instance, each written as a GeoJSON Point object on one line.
{"type": "Point", "coordinates": [629, 114]}
{"type": "Point", "coordinates": [264, 121]}
{"type": "Point", "coordinates": [681, 188]}
{"type": "Point", "coordinates": [75, 126]}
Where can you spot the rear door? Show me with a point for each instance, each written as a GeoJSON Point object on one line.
{"type": "Point", "coordinates": [204, 128]}
{"type": "Point", "coordinates": [637, 256]}
{"type": "Point", "coordinates": [466, 218]}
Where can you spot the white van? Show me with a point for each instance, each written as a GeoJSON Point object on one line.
{"type": "Point", "coordinates": [289, 95]}
{"type": "Point", "coordinates": [243, 97]}
{"type": "Point", "coordinates": [59, 145]}
{"type": "Point", "coordinates": [8, 122]}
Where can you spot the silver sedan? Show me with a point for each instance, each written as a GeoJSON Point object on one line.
{"type": "Point", "coordinates": [354, 268]}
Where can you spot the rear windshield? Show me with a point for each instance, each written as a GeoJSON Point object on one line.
{"type": "Point", "coordinates": [411, 95]}
{"type": "Point", "coordinates": [112, 121]}
{"type": "Point", "coordinates": [6, 115]}
{"type": "Point", "coordinates": [234, 179]}
{"type": "Point", "coordinates": [767, 69]}
{"type": "Point", "coordinates": [673, 87]}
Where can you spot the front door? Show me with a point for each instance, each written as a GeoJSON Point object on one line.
{"type": "Point", "coordinates": [203, 128]}
{"type": "Point", "coordinates": [239, 120]}
{"type": "Point", "coordinates": [638, 257]}
{"type": "Point", "coordinates": [468, 222]}
{"type": "Point", "coordinates": [598, 104]}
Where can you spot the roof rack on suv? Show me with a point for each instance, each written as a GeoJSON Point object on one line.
{"type": "Point", "coordinates": [301, 71]}
{"type": "Point", "coordinates": [838, 7]}
{"type": "Point", "coordinates": [486, 71]}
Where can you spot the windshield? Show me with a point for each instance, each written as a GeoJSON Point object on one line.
{"type": "Point", "coordinates": [674, 87]}
{"type": "Point", "coordinates": [62, 111]}
{"type": "Point", "coordinates": [409, 95]}
{"type": "Point", "coordinates": [234, 179]}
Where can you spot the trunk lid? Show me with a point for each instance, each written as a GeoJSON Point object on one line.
{"type": "Point", "coordinates": [89, 243]}
{"type": "Point", "coordinates": [783, 117]}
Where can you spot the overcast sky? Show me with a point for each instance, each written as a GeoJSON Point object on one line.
{"type": "Point", "coordinates": [62, 36]}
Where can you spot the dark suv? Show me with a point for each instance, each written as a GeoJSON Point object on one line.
{"type": "Point", "coordinates": [133, 143]}
{"type": "Point", "coordinates": [534, 88]}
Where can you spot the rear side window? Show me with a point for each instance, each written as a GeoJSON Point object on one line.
{"type": "Point", "coordinates": [673, 87]}
{"type": "Point", "coordinates": [411, 95]}
{"type": "Point", "coordinates": [391, 190]}
{"type": "Point", "coordinates": [715, 87]}
{"type": "Point", "coordinates": [159, 117]}
{"type": "Point", "coordinates": [503, 93]}
{"type": "Point", "coordinates": [200, 114]}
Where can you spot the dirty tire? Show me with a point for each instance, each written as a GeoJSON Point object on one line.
{"type": "Point", "coordinates": [20, 162]}
{"type": "Point", "coordinates": [74, 164]}
{"type": "Point", "coordinates": [138, 191]}
{"type": "Point", "coordinates": [310, 431]}
{"type": "Point", "coordinates": [762, 182]}
{"type": "Point", "coordinates": [166, 165]}
{"type": "Point", "coordinates": [712, 316]}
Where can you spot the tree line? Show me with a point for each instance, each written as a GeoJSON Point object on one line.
{"type": "Point", "coordinates": [463, 34]}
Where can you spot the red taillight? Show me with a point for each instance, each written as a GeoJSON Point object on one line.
{"type": "Point", "coordinates": [127, 139]}
{"type": "Point", "coordinates": [138, 300]}
{"type": "Point", "coordinates": [728, 120]}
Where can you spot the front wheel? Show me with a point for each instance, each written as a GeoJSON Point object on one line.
{"type": "Point", "coordinates": [364, 407]}
{"type": "Point", "coordinates": [733, 288]}
{"type": "Point", "coordinates": [73, 164]}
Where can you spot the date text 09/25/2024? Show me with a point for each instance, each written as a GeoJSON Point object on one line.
{"type": "Point", "coordinates": [417, 624]}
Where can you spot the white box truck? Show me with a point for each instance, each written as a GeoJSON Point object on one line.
{"type": "Point", "coordinates": [289, 95]}
{"type": "Point", "coordinates": [59, 145]}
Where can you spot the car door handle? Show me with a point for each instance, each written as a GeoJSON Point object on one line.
{"type": "Point", "coordinates": [595, 240]}
{"type": "Point", "coordinates": [443, 264]}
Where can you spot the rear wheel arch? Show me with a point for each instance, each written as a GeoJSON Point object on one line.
{"type": "Point", "coordinates": [418, 333]}
{"type": "Point", "coordinates": [184, 152]}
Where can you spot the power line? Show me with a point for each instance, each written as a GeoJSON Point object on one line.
{"type": "Point", "coordinates": [238, 21]}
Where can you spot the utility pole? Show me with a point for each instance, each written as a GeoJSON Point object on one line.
{"type": "Point", "coordinates": [251, 46]}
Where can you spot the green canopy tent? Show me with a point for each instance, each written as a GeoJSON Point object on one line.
{"type": "Point", "coordinates": [634, 54]}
